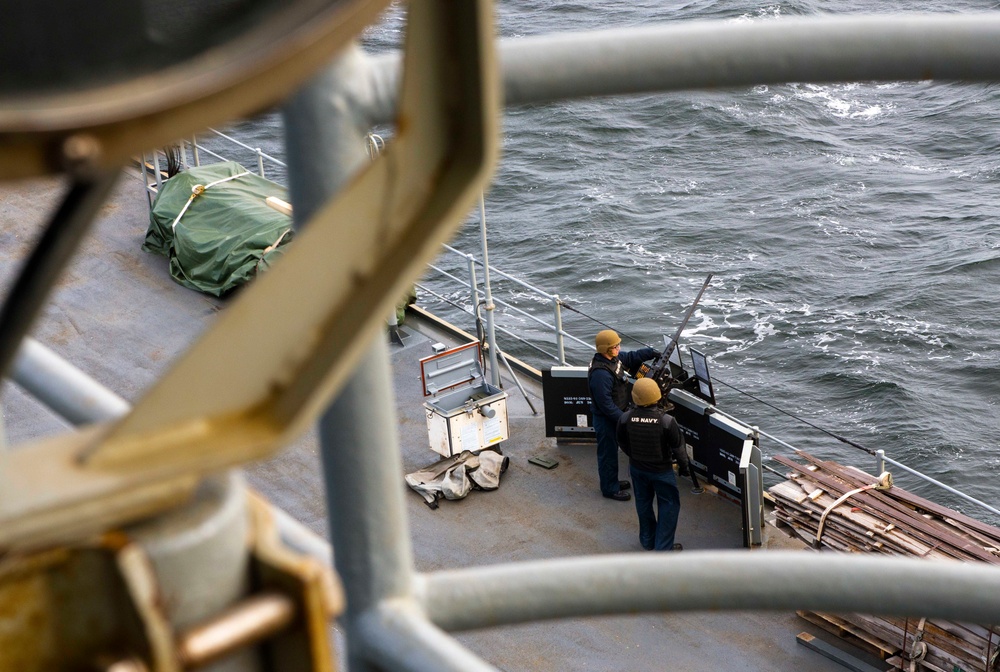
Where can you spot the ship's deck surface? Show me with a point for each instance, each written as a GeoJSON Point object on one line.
{"type": "Point", "coordinates": [118, 316]}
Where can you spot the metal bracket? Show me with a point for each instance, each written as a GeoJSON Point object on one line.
{"type": "Point", "coordinates": [242, 391]}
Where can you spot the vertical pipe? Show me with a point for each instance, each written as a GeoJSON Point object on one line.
{"type": "Point", "coordinates": [156, 170]}
{"type": "Point", "coordinates": [194, 150]}
{"type": "Point", "coordinates": [325, 139]}
{"type": "Point", "coordinates": [491, 335]}
{"type": "Point", "coordinates": [879, 462]}
{"type": "Point", "coordinates": [473, 283]}
{"type": "Point", "coordinates": [182, 145]}
{"type": "Point", "coordinates": [560, 344]}
{"type": "Point", "coordinates": [260, 162]}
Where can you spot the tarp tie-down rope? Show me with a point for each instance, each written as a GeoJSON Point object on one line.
{"type": "Point", "coordinates": [918, 651]}
{"type": "Point", "coordinates": [199, 189]}
{"type": "Point", "coordinates": [884, 482]}
{"type": "Point", "coordinates": [269, 248]}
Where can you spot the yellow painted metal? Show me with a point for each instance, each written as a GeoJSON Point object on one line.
{"type": "Point", "coordinates": [316, 590]}
{"type": "Point", "coordinates": [257, 69]}
{"type": "Point", "coordinates": [47, 496]}
{"type": "Point", "coordinates": [277, 356]}
{"type": "Point", "coordinates": [65, 609]}
{"type": "Point", "coordinates": [99, 605]}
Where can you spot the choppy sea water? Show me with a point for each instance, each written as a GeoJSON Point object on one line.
{"type": "Point", "coordinates": [851, 229]}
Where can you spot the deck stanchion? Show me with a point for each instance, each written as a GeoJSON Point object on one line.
{"type": "Point", "coordinates": [560, 345]}
{"type": "Point", "coordinates": [183, 154]}
{"type": "Point", "coordinates": [473, 283]}
{"type": "Point", "coordinates": [156, 170]}
{"type": "Point", "coordinates": [358, 445]}
{"type": "Point", "coordinates": [491, 334]}
{"type": "Point", "coordinates": [510, 372]}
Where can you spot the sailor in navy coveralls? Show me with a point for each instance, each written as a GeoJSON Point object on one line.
{"type": "Point", "coordinates": [609, 397]}
{"type": "Point", "coordinates": [652, 440]}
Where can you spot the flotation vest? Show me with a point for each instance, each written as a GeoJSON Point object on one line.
{"type": "Point", "coordinates": [645, 433]}
{"type": "Point", "coordinates": [620, 386]}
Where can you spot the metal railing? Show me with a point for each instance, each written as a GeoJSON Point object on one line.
{"type": "Point", "coordinates": [880, 462]}
{"type": "Point", "coordinates": [195, 149]}
{"type": "Point", "coordinates": [387, 625]}
{"type": "Point", "coordinates": [152, 164]}
{"type": "Point", "coordinates": [260, 155]}
{"type": "Point", "coordinates": [472, 284]}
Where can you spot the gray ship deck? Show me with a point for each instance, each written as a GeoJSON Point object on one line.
{"type": "Point", "coordinates": [118, 316]}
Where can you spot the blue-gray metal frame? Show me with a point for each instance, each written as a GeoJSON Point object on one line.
{"type": "Point", "coordinates": [718, 54]}
{"type": "Point", "coordinates": [396, 618]}
{"type": "Point", "coordinates": [390, 607]}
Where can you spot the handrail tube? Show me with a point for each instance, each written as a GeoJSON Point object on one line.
{"type": "Point", "coordinates": [508, 332]}
{"type": "Point", "coordinates": [396, 635]}
{"type": "Point", "coordinates": [524, 284]}
{"type": "Point", "coordinates": [208, 151]}
{"type": "Point", "coordinates": [494, 269]}
{"type": "Point", "coordinates": [478, 597]}
{"type": "Point", "coordinates": [880, 455]}
{"type": "Point", "coordinates": [248, 147]}
{"type": "Point", "coordinates": [62, 387]}
{"type": "Point", "coordinates": [450, 276]}
{"type": "Point", "coordinates": [550, 355]}
{"type": "Point", "coordinates": [760, 431]}
{"type": "Point", "coordinates": [496, 300]}
{"type": "Point", "coordinates": [505, 331]}
{"type": "Point", "coordinates": [693, 55]}
{"type": "Point", "coordinates": [506, 304]}
{"type": "Point", "coordinates": [578, 340]}
{"type": "Point", "coordinates": [552, 297]}
{"type": "Point", "coordinates": [938, 483]}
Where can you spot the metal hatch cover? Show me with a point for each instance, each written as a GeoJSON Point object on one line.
{"type": "Point", "coordinates": [449, 369]}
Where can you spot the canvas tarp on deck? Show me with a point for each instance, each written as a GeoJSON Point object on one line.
{"type": "Point", "coordinates": [222, 237]}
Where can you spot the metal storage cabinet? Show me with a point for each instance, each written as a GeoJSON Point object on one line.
{"type": "Point", "coordinates": [464, 411]}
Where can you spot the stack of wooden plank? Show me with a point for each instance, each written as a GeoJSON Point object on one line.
{"type": "Point", "coordinates": [895, 522]}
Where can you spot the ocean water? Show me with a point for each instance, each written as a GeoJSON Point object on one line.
{"type": "Point", "coordinates": [851, 230]}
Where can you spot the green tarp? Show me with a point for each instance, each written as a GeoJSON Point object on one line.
{"type": "Point", "coordinates": [226, 236]}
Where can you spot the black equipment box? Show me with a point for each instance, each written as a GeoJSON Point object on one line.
{"type": "Point", "coordinates": [566, 399]}
{"type": "Point", "coordinates": [726, 453]}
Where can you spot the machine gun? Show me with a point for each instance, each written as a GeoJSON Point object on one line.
{"type": "Point", "coordinates": [659, 370]}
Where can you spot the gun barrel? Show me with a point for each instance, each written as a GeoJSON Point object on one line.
{"type": "Point", "coordinates": [663, 361]}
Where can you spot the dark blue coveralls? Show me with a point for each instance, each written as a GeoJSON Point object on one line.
{"type": "Point", "coordinates": [608, 400]}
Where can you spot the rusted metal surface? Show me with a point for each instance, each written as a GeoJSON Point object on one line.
{"type": "Point", "coordinates": [103, 606]}
{"type": "Point", "coordinates": [66, 609]}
